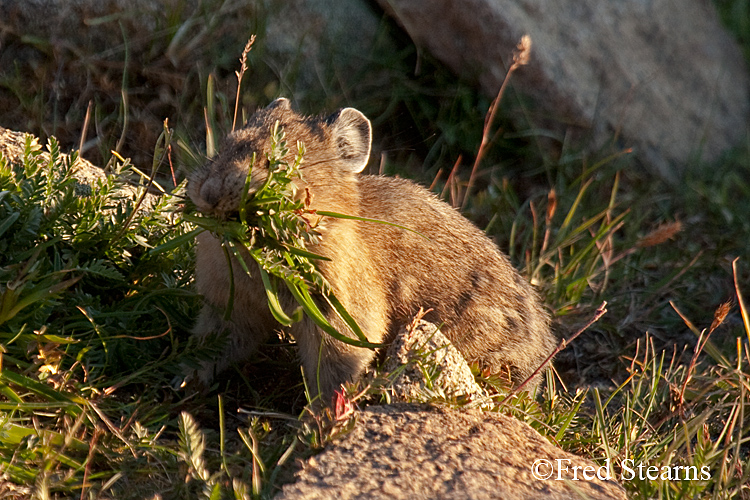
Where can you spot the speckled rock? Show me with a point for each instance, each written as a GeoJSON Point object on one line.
{"type": "Point", "coordinates": [425, 365]}
{"type": "Point", "coordinates": [421, 452]}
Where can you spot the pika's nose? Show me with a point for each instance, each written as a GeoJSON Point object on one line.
{"type": "Point", "coordinates": [209, 194]}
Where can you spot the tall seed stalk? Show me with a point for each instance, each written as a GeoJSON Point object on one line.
{"type": "Point", "coordinates": [521, 57]}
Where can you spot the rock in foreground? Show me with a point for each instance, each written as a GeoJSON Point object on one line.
{"type": "Point", "coordinates": [426, 364]}
{"type": "Point", "coordinates": [421, 452]}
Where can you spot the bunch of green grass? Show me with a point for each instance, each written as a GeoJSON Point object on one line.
{"type": "Point", "coordinates": [273, 228]}
{"type": "Point", "coordinates": [242, 473]}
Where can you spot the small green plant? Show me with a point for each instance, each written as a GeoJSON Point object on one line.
{"type": "Point", "coordinates": [242, 471]}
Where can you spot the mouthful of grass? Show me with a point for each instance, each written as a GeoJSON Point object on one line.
{"type": "Point", "coordinates": [268, 237]}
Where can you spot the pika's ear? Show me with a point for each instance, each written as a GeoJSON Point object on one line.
{"type": "Point", "coordinates": [352, 135]}
{"type": "Point", "coordinates": [281, 103]}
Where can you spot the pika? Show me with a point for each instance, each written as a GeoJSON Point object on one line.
{"type": "Point", "coordinates": [382, 274]}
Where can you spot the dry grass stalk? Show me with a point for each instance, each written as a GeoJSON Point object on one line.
{"type": "Point", "coordinates": [85, 128]}
{"type": "Point", "coordinates": [601, 311]}
{"type": "Point", "coordinates": [451, 185]}
{"type": "Point", "coordinates": [521, 57]}
{"type": "Point", "coordinates": [719, 315]}
{"type": "Point", "coordinates": [551, 209]}
{"type": "Point", "coordinates": [661, 234]}
{"type": "Point", "coordinates": [741, 300]}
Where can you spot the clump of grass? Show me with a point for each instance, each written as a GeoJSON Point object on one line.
{"type": "Point", "coordinates": [241, 471]}
{"type": "Point", "coordinates": [672, 413]}
{"type": "Point", "coordinates": [83, 314]}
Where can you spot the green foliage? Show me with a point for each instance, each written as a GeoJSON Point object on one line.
{"type": "Point", "coordinates": [736, 16]}
{"type": "Point", "coordinates": [84, 307]}
{"type": "Point", "coordinates": [564, 241]}
{"type": "Point", "coordinates": [58, 234]}
{"type": "Point", "coordinates": [242, 474]}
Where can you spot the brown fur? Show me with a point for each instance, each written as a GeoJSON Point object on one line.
{"type": "Point", "coordinates": [381, 274]}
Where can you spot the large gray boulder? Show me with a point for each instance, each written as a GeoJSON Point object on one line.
{"type": "Point", "coordinates": [420, 452]}
{"type": "Point", "coordinates": [659, 75]}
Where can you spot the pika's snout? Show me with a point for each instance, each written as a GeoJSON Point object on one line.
{"type": "Point", "coordinates": [212, 194]}
{"type": "Point", "coordinates": [205, 193]}
{"type": "Point", "coordinates": [217, 188]}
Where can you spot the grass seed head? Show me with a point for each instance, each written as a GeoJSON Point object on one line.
{"type": "Point", "coordinates": [522, 54]}
{"type": "Point", "coordinates": [720, 315]}
{"type": "Point", "coordinates": [659, 235]}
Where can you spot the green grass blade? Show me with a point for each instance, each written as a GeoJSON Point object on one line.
{"type": "Point", "coordinates": [337, 215]}
{"type": "Point", "coordinates": [38, 293]}
{"type": "Point", "coordinates": [43, 390]}
{"type": "Point", "coordinates": [9, 221]}
{"type": "Point", "coordinates": [574, 207]}
{"type": "Point", "coordinates": [210, 117]}
{"type": "Point", "coordinates": [13, 435]}
{"type": "Point", "coordinates": [313, 312]}
{"type": "Point", "coordinates": [341, 310]}
{"type": "Point", "coordinates": [19, 475]}
{"type": "Point", "coordinates": [230, 301]}
{"type": "Point", "coordinates": [176, 242]}
{"type": "Point", "coordinates": [304, 253]}
{"type": "Point", "coordinates": [246, 191]}
{"type": "Point", "coordinates": [274, 304]}
{"type": "Point", "coordinates": [10, 394]}
{"type": "Point", "coordinates": [602, 421]}
{"type": "Point", "coordinates": [571, 415]}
